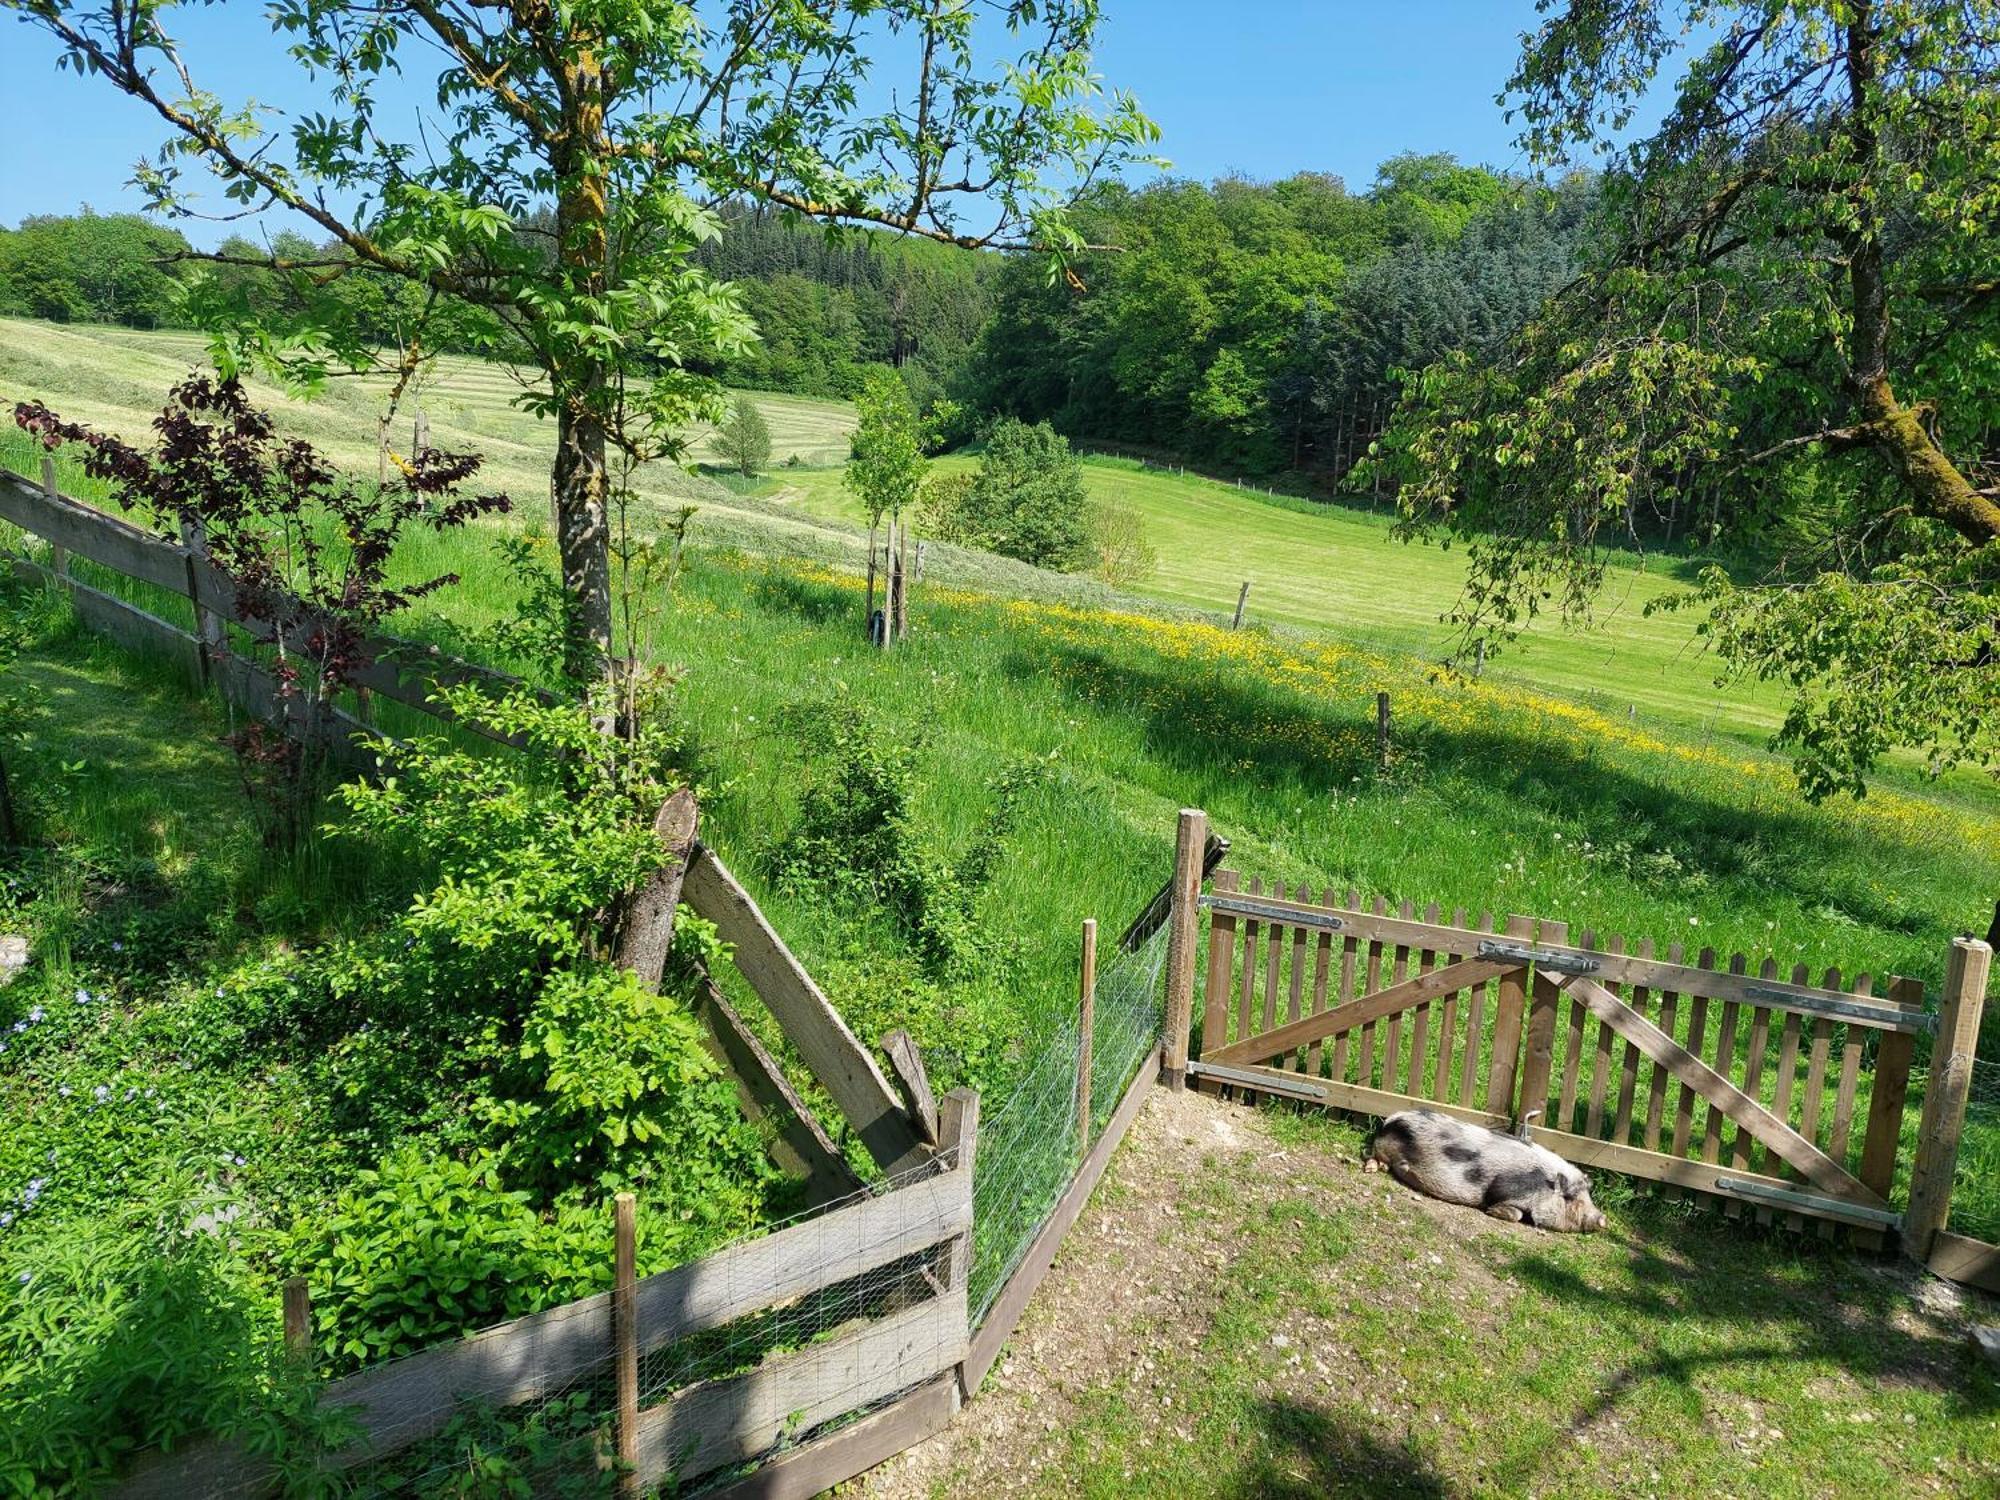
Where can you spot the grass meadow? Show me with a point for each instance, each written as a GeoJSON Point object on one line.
{"type": "Point", "coordinates": [1112, 713]}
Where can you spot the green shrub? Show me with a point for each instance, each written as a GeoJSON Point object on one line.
{"type": "Point", "coordinates": [141, 1328]}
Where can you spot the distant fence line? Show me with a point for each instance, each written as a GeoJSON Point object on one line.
{"type": "Point", "coordinates": [401, 671]}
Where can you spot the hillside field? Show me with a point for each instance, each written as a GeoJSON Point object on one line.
{"type": "Point", "coordinates": [1322, 569]}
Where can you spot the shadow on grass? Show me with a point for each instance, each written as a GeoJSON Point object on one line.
{"type": "Point", "coordinates": [1305, 1452]}
{"type": "Point", "coordinates": [1218, 729]}
{"type": "Point", "coordinates": [1694, 1299]}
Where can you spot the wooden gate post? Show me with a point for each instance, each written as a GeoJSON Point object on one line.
{"type": "Point", "coordinates": [1959, 1010]}
{"type": "Point", "coordinates": [1183, 928]}
{"type": "Point", "coordinates": [958, 1139]}
{"type": "Point", "coordinates": [1086, 1022]}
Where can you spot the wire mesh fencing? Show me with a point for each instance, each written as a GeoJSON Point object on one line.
{"type": "Point", "coordinates": [1975, 1195]}
{"type": "Point", "coordinates": [1031, 1142]}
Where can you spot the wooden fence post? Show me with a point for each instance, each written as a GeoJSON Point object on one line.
{"type": "Point", "coordinates": [58, 556]}
{"type": "Point", "coordinates": [211, 636]}
{"type": "Point", "coordinates": [298, 1321]}
{"type": "Point", "coordinates": [1242, 598]}
{"type": "Point", "coordinates": [1183, 928]}
{"type": "Point", "coordinates": [958, 1138]}
{"type": "Point", "coordinates": [1959, 1010]}
{"type": "Point", "coordinates": [1086, 1023]}
{"type": "Point", "coordinates": [1381, 731]}
{"type": "Point", "coordinates": [625, 1342]}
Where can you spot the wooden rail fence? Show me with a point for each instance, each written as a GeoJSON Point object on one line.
{"type": "Point", "coordinates": [401, 671]}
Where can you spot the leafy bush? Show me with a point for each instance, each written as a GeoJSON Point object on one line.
{"type": "Point", "coordinates": [855, 836]}
{"type": "Point", "coordinates": [1026, 501]}
{"type": "Point", "coordinates": [1120, 554]}
{"type": "Point", "coordinates": [143, 1328]}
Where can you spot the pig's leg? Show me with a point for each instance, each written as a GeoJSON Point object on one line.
{"type": "Point", "coordinates": [1371, 1164]}
{"type": "Point", "coordinates": [1506, 1211]}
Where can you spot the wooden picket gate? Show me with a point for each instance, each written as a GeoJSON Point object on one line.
{"type": "Point", "coordinates": [1638, 1064]}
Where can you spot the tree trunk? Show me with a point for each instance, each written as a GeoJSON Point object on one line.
{"type": "Point", "coordinates": [583, 536]}
{"type": "Point", "coordinates": [581, 480]}
{"type": "Point", "coordinates": [1895, 430]}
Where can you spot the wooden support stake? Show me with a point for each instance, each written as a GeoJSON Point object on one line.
{"type": "Point", "coordinates": [1086, 1021]}
{"type": "Point", "coordinates": [58, 556]}
{"type": "Point", "coordinates": [1382, 731]}
{"type": "Point", "coordinates": [298, 1321]}
{"type": "Point", "coordinates": [625, 1342]}
{"type": "Point", "coordinates": [906, 1066]}
{"type": "Point", "coordinates": [1959, 1010]}
{"type": "Point", "coordinates": [1184, 922]}
{"type": "Point", "coordinates": [420, 435]}
{"type": "Point", "coordinates": [1242, 598]}
{"type": "Point", "coordinates": [211, 634]}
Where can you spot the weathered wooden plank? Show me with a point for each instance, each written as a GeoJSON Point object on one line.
{"type": "Point", "coordinates": [1322, 966]}
{"type": "Point", "coordinates": [1725, 1065]}
{"type": "Point", "coordinates": [1781, 1099]}
{"type": "Point", "coordinates": [1509, 1017]}
{"type": "Point", "coordinates": [1007, 1308]}
{"type": "Point", "coordinates": [1631, 969]}
{"type": "Point", "coordinates": [1372, 980]}
{"type": "Point", "coordinates": [814, 1467]}
{"type": "Point", "coordinates": [1392, 1034]}
{"type": "Point", "coordinates": [1656, 1088]}
{"type": "Point", "coordinates": [1743, 1149]}
{"type": "Point", "coordinates": [1600, 1069]}
{"type": "Point", "coordinates": [720, 1422]}
{"type": "Point", "coordinates": [1295, 994]}
{"type": "Point", "coordinates": [1960, 1258]}
{"type": "Point", "coordinates": [913, 1082]}
{"type": "Point", "coordinates": [1420, 1021]}
{"type": "Point", "coordinates": [1813, 1164]}
{"type": "Point", "coordinates": [1475, 1029]}
{"type": "Point", "coordinates": [1447, 1026]}
{"type": "Point", "coordinates": [1538, 1049]}
{"type": "Point", "coordinates": [88, 532]}
{"type": "Point", "coordinates": [799, 1146]}
{"type": "Point", "coordinates": [842, 1065]}
{"type": "Point", "coordinates": [1215, 986]}
{"type": "Point", "coordinates": [1274, 953]}
{"type": "Point", "coordinates": [1349, 953]}
{"type": "Point", "coordinates": [1697, 1031]}
{"type": "Point", "coordinates": [1246, 982]}
{"type": "Point", "coordinates": [1889, 1093]}
{"type": "Point", "coordinates": [1628, 1072]}
{"type": "Point", "coordinates": [1564, 1117]}
{"type": "Point", "coordinates": [1369, 1008]}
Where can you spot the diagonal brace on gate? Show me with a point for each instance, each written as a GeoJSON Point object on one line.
{"type": "Point", "coordinates": [1411, 992]}
{"type": "Point", "coordinates": [1812, 1163]}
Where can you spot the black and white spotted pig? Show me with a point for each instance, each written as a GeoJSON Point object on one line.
{"type": "Point", "coordinates": [1507, 1176]}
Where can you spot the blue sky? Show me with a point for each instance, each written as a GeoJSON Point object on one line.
{"type": "Point", "coordinates": [1260, 87]}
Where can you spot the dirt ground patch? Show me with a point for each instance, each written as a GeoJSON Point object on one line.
{"type": "Point", "coordinates": [1241, 1311]}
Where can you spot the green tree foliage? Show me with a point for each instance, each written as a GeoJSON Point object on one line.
{"type": "Point", "coordinates": [1786, 329]}
{"type": "Point", "coordinates": [830, 304]}
{"type": "Point", "coordinates": [1026, 501]}
{"type": "Point", "coordinates": [887, 469]}
{"type": "Point", "coordinates": [744, 438]}
{"type": "Point", "coordinates": [1120, 555]}
{"type": "Point", "coordinates": [1260, 327]}
{"type": "Point", "coordinates": [623, 121]}
{"type": "Point", "coordinates": [91, 268]}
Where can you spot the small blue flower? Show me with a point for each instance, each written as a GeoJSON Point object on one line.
{"type": "Point", "coordinates": [82, 995]}
{"type": "Point", "coordinates": [103, 1092]}
{"type": "Point", "coordinates": [117, 947]}
{"type": "Point", "coordinates": [36, 1014]}
{"type": "Point", "coordinates": [25, 1277]}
